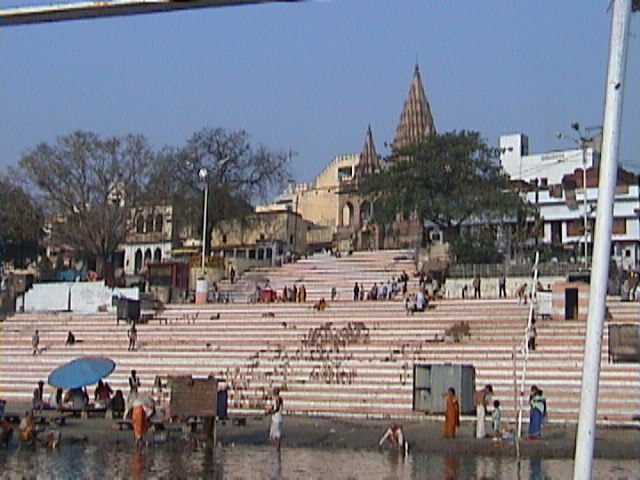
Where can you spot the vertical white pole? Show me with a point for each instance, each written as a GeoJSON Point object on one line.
{"type": "Point", "coordinates": [585, 205]}
{"type": "Point", "coordinates": [602, 241]}
{"type": "Point", "coordinates": [204, 220]}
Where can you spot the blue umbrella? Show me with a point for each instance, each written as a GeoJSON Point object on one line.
{"type": "Point", "coordinates": [81, 371]}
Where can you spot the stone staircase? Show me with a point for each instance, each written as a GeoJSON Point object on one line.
{"type": "Point", "coordinates": [353, 359]}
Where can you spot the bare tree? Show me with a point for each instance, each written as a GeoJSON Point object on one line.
{"type": "Point", "coordinates": [237, 175]}
{"type": "Point", "coordinates": [92, 183]}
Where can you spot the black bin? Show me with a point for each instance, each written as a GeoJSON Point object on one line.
{"type": "Point", "coordinates": [222, 404]}
{"type": "Point", "coordinates": [128, 310]}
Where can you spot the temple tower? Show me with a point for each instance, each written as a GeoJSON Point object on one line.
{"type": "Point", "coordinates": [416, 121]}
{"type": "Point", "coordinates": [355, 211]}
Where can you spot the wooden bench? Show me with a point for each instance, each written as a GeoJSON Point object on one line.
{"type": "Point", "coordinates": [122, 424]}
{"type": "Point", "coordinates": [84, 412]}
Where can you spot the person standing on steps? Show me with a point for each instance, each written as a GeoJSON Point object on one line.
{"type": "Point", "coordinates": [476, 287]}
{"type": "Point", "coordinates": [134, 382]}
{"type": "Point", "coordinates": [275, 431]}
{"type": "Point", "coordinates": [35, 342]}
{"type": "Point", "coordinates": [502, 286]}
{"type": "Point", "coordinates": [451, 414]}
{"type": "Point", "coordinates": [133, 336]}
{"type": "Point", "coordinates": [481, 399]}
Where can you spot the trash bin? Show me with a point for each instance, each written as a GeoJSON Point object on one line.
{"type": "Point", "coordinates": [222, 404]}
{"type": "Point", "coordinates": [128, 309]}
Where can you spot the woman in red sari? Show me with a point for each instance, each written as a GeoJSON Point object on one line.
{"type": "Point", "coordinates": [451, 414]}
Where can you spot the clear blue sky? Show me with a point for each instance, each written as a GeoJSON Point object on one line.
{"type": "Point", "coordinates": [311, 77]}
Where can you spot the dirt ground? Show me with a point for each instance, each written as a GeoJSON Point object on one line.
{"type": "Point", "coordinates": [423, 435]}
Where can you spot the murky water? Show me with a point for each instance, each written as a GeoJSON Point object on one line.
{"type": "Point", "coordinates": [178, 462]}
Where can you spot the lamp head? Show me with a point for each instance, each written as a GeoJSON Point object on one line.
{"type": "Point", "coordinates": [576, 126]}
{"type": "Point", "coordinates": [202, 173]}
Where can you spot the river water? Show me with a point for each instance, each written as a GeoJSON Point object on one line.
{"type": "Point", "coordinates": [79, 461]}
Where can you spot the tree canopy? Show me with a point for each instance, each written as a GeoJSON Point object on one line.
{"type": "Point", "coordinates": [91, 184]}
{"type": "Point", "coordinates": [446, 179]}
{"type": "Point", "coordinates": [85, 182]}
{"type": "Point", "coordinates": [237, 174]}
{"type": "Point", "coordinates": [21, 224]}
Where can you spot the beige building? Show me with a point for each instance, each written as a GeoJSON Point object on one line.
{"type": "Point", "coordinates": [331, 202]}
{"type": "Point", "coordinates": [264, 238]}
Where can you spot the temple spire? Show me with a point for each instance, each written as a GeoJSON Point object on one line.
{"type": "Point", "coordinates": [416, 121]}
{"type": "Point", "coordinates": [369, 160]}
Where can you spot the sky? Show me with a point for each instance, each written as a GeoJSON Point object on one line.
{"type": "Point", "coordinates": [311, 77]}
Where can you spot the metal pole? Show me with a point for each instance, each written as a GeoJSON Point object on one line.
{"type": "Point", "coordinates": [203, 176]}
{"type": "Point", "coordinates": [584, 193]}
{"type": "Point", "coordinates": [585, 439]}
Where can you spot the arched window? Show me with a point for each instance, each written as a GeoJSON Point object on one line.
{"type": "Point", "coordinates": [157, 255]}
{"type": "Point", "coordinates": [147, 256]}
{"type": "Point", "coordinates": [347, 214]}
{"type": "Point", "coordinates": [149, 224]}
{"type": "Point", "coordinates": [139, 224]}
{"type": "Point", "coordinates": [138, 262]}
{"type": "Point", "coordinates": [159, 222]}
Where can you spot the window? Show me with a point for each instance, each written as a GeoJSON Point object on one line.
{"type": "Point", "coordinates": [575, 228]}
{"type": "Point", "coordinates": [139, 224]}
{"type": "Point", "coordinates": [137, 262]}
{"type": "Point", "coordinates": [148, 227]}
{"type": "Point", "coordinates": [224, 239]}
{"type": "Point", "coordinates": [619, 226]}
{"type": "Point", "coordinates": [159, 222]}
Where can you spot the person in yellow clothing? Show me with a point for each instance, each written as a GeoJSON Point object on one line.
{"type": "Point", "coordinates": [27, 432]}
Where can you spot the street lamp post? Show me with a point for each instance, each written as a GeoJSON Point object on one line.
{"type": "Point", "coordinates": [582, 142]}
{"type": "Point", "coordinates": [203, 173]}
{"type": "Point", "coordinates": [583, 146]}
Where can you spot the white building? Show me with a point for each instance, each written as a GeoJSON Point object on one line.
{"type": "Point", "coordinates": [149, 238]}
{"type": "Point", "coordinates": [546, 168]}
{"type": "Point", "coordinates": [557, 187]}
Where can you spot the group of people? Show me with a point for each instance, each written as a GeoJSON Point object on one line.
{"type": "Point", "coordinates": [294, 294]}
{"type": "Point", "coordinates": [383, 291]}
{"type": "Point", "coordinates": [35, 341]}
{"type": "Point", "coordinates": [482, 399]}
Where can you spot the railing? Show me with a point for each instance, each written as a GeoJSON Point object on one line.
{"type": "Point", "coordinates": [515, 270]}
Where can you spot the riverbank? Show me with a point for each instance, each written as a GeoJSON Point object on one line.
{"type": "Point", "coordinates": [423, 435]}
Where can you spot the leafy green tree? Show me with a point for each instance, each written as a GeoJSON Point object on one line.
{"type": "Point", "coordinates": [90, 183]}
{"type": "Point", "coordinates": [21, 224]}
{"type": "Point", "coordinates": [446, 179]}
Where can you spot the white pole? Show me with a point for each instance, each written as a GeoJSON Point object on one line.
{"type": "Point", "coordinates": [203, 176]}
{"type": "Point", "coordinates": [583, 146]}
{"type": "Point", "coordinates": [602, 241]}
{"type": "Point", "coordinates": [525, 342]}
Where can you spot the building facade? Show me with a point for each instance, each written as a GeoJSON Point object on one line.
{"type": "Point", "coordinates": [266, 238]}
{"type": "Point", "coordinates": [149, 238]}
{"type": "Point", "coordinates": [563, 186]}
{"type": "Point", "coordinates": [331, 201]}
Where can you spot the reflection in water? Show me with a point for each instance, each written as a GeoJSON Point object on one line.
{"type": "Point", "coordinates": [137, 465]}
{"type": "Point", "coordinates": [450, 467]}
{"type": "Point", "coordinates": [535, 469]}
{"type": "Point", "coordinates": [192, 461]}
